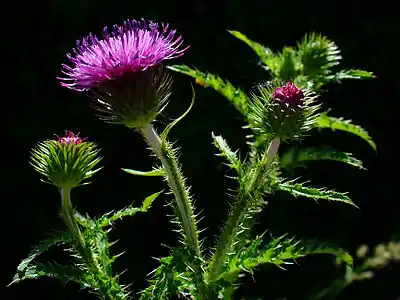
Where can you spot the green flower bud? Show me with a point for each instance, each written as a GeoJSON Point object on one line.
{"type": "Point", "coordinates": [67, 161]}
{"type": "Point", "coordinates": [283, 111]}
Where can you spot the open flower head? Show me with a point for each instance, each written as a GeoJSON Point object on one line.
{"type": "Point", "coordinates": [281, 110]}
{"type": "Point", "coordinates": [67, 161]}
{"type": "Point", "coordinates": [124, 70]}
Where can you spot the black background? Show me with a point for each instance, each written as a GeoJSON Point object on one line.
{"type": "Point", "coordinates": [36, 37]}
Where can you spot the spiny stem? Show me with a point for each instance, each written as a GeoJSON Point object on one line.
{"type": "Point", "coordinates": [111, 288]}
{"type": "Point", "coordinates": [164, 152]}
{"type": "Point", "coordinates": [238, 213]}
{"type": "Point", "coordinates": [175, 180]}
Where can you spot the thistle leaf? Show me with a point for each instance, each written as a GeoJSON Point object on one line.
{"type": "Point", "coordinates": [325, 121]}
{"type": "Point", "coordinates": [226, 152]}
{"type": "Point", "coordinates": [24, 270]}
{"type": "Point", "coordinates": [154, 172]}
{"type": "Point", "coordinates": [266, 55]}
{"type": "Point", "coordinates": [279, 251]}
{"type": "Point", "coordinates": [296, 157]}
{"type": "Point", "coordinates": [351, 74]}
{"type": "Point", "coordinates": [54, 270]}
{"type": "Point", "coordinates": [129, 211]}
{"type": "Point", "coordinates": [148, 201]}
{"type": "Point", "coordinates": [317, 55]}
{"type": "Point", "coordinates": [298, 189]}
{"type": "Point", "coordinates": [236, 96]}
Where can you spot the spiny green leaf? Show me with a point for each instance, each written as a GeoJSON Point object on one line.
{"type": "Point", "coordinates": [109, 218]}
{"type": "Point", "coordinates": [296, 156]}
{"type": "Point", "coordinates": [317, 55]}
{"type": "Point", "coordinates": [236, 96]}
{"type": "Point", "coordinates": [226, 152]}
{"type": "Point", "coordinates": [325, 121]}
{"type": "Point", "coordinates": [54, 270]}
{"type": "Point", "coordinates": [288, 64]}
{"type": "Point", "coordinates": [279, 251]}
{"type": "Point", "coordinates": [148, 201]}
{"type": "Point", "coordinates": [298, 189]}
{"type": "Point", "coordinates": [266, 55]}
{"type": "Point", "coordinates": [155, 172]}
{"type": "Point", "coordinates": [113, 216]}
{"type": "Point", "coordinates": [23, 268]}
{"type": "Point", "coordinates": [352, 74]}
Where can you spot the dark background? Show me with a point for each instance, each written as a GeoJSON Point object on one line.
{"type": "Point", "coordinates": [38, 34]}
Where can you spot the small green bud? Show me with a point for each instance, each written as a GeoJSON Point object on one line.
{"type": "Point", "coordinates": [283, 111]}
{"type": "Point", "coordinates": [67, 161]}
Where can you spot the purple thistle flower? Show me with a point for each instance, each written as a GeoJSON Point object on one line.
{"type": "Point", "coordinates": [130, 48]}
{"type": "Point", "coordinates": [289, 94]}
{"type": "Point", "coordinates": [124, 70]}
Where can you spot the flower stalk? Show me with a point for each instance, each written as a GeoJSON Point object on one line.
{"type": "Point", "coordinates": [238, 213]}
{"type": "Point", "coordinates": [164, 152]}
{"type": "Point", "coordinates": [175, 179]}
{"type": "Point", "coordinates": [67, 214]}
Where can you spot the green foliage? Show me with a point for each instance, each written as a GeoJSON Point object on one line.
{"type": "Point", "coordinates": [279, 252]}
{"type": "Point", "coordinates": [296, 157]}
{"type": "Point", "coordinates": [351, 74]}
{"type": "Point", "coordinates": [172, 277]}
{"type": "Point", "coordinates": [310, 63]}
{"type": "Point", "coordinates": [65, 166]}
{"type": "Point", "coordinates": [333, 123]}
{"type": "Point", "coordinates": [109, 218]}
{"type": "Point", "coordinates": [91, 269]}
{"type": "Point", "coordinates": [317, 56]}
{"type": "Point", "coordinates": [266, 55]}
{"type": "Point", "coordinates": [226, 152]}
{"type": "Point", "coordinates": [235, 95]}
{"type": "Point", "coordinates": [247, 203]}
{"type": "Point", "coordinates": [299, 189]}
{"type": "Point", "coordinates": [24, 270]}
{"type": "Point", "coordinates": [154, 172]}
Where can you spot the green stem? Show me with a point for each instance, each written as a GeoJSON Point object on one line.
{"type": "Point", "coordinates": [108, 285]}
{"type": "Point", "coordinates": [67, 214]}
{"type": "Point", "coordinates": [238, 213]}
{"type": "Point", "coordinates": [165, 153]}
{"type": "Point", "coordinates": [175, 179]}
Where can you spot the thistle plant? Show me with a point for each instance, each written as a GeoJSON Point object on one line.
{"type": "Point", "coordinates": [125, 77]}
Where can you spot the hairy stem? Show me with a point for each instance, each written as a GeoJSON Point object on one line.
{"type": "Point", "coordinates": [238, 213]}
{"type": "Point", "coordinates": [165, 153]}
{"type": "Point", "coordinates": [108, 286]}
{"type": "Point", "coordinates": [175, 181]}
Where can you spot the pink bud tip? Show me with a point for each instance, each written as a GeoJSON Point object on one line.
{"type": "Point", "coordinates": [289, 94]}
{"type": "Point", "coordinates": [69, 138]}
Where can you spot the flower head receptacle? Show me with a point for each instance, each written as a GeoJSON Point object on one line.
{"type": "Point", "coordinates": [67, 161]}
{"type": "Point", "coordinates": [124, 71]}
{"type": "Point", "coordinates": [283, 111]}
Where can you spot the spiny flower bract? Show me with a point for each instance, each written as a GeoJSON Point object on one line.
{"type": "Point", "coordinates": [124, 70]}
{"type": "Point", "coordinates": [66, 161]}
